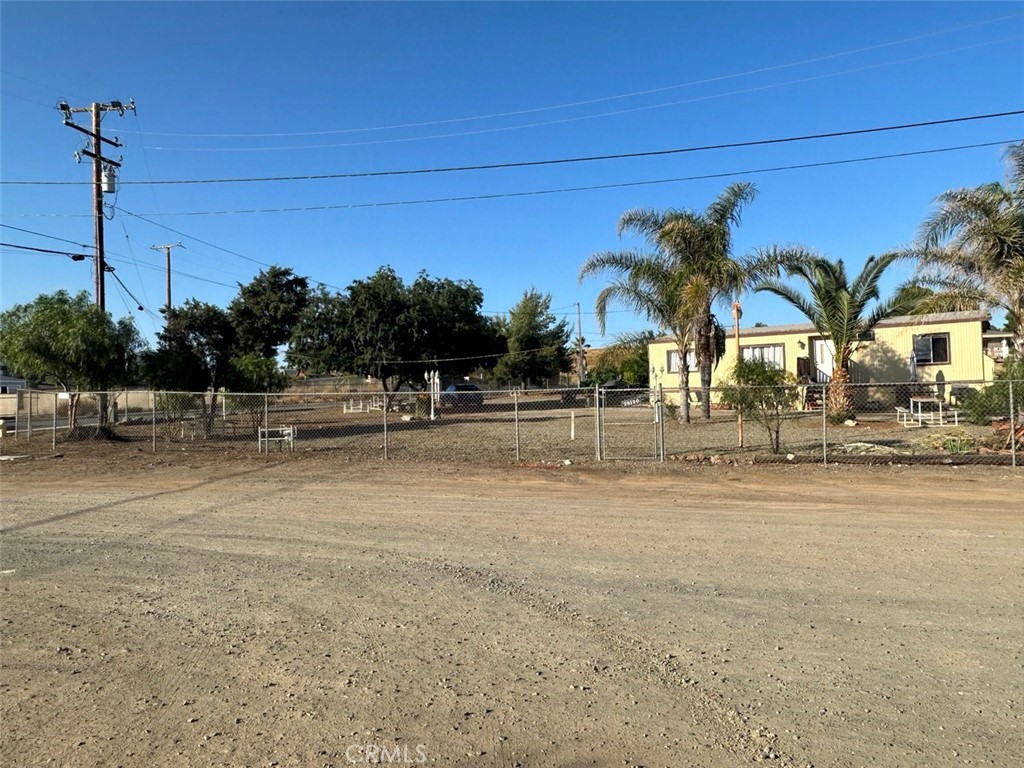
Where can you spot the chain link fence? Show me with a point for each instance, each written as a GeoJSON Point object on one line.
{"type": "Point", "coordinates": [944, 422]}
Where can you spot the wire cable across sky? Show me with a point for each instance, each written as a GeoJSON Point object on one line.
{"type": "Point", "coordinates": [554, 161]}
{"type": "Point", "coordinates": [588, 188]}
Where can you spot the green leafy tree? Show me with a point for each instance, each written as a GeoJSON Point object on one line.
{"type": "Point", "coordinates": [316, 345]}
{"type": "Point", "coordinates": [762, 393]}
{"type": "Point", "coordinates": [193, 354]}
{"type": "Point", "coordinates": [688, 268]}
{"type": "Point", "coordinates": [625, 359]}
{"type": "Point", "coordinates": [249, 373]}
{"type": "Point", "coordinates": [841, 311]}
{"type": "Point", "coordinates": [383, 328]}
{"type": "Point", "coordinates": [265, 310]}
{"type": "Point", "coordinates": [536, 340]}
{"type": "Point", "coordinates": [69, 341]}
{"type": "Point", "coordinates": [447, 324]}
{"type": "Point", "coordinates": [375, 331]}
{"type": "Point", "coordinates": [971, 250]}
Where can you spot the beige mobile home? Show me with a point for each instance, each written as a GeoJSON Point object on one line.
{"type": "Point", "coordinates": [949, 346]}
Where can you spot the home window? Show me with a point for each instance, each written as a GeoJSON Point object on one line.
{"type": "Point", "coordinates": [932, 349]}
{"type": "Point", "coordinates": [672, 361]}
{"type": "Point", "coordinates": [772, 354]}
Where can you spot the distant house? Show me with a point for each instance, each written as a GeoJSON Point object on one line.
{"type": "Point", "coordinates": [10, 384]}
{"type": "Point", "coordinates": [948, 346]}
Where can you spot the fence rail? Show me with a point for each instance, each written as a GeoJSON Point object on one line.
{"type": "Point", "coordinates": [955, 422]}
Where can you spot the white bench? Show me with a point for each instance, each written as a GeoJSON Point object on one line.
{"type": "Point", "coordinates": [284, 435]}
{"type": "Point", "coordinates": [909, 418]}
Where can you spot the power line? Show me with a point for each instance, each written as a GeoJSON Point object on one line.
{"type": "Point", "coordinates": [468, 357]}
{"type": "Point", "coordinates": [561, 190]}
{"type": "Point", "coordinates": [190, 237]}
{"type": "Point", "coordinates": [578, 118]}
{"type": "Point", "coordinates": [206, 257]}
{"type": "Point", "coordinates": [72, 256]}
{"type": "Point", "coordinates": [209, 244]}
{"type": "Point", "coordinates": [42, 234]}
{"type": "Point", "coordinates": [558, 161]}
{"type": "Point", "coordinates": [131, 251]}
{"type": "Point", "coordinates": [176, 272]}
{"type": "Point", "coordinates": [597, 100]}
{"type": "Point", "coordinates": [113, 274]}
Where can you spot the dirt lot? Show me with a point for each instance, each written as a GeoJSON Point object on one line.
{"type": "Point", "coordinates": [311, 611]}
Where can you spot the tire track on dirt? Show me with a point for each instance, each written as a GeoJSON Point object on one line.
{"type": "Point", "coordinates": [128, 500]}
{"type": "Point", "coordinates": [732, 731]}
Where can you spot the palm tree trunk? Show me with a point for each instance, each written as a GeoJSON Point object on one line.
{"type": "Point", "coordinates": [706, 357]}
{"type": "Point", "coordinates": [705, 389]}
{"type": "Point", "coordinates": [840, 396]}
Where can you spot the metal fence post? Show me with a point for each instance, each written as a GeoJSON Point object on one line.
{"type": "Point", "coordinates": [53, 442]}
{"type": "Point", "coordinates": [515, 406]}
{"type": "Point", "coordinates": [1013, 430]}
{"type": "Point", "coordinates": [152, 406]}
{"type": "Point", "coordinates": [661, 422]}
{"type": "Point", "coordinates": [386, 404]}
{"type": "Point", "coordinates": [824, 424]}
{"type": "Point", "coordinates": [266, 421]}
{"type": "Point", "coordinates": [29, 437]}
{"type": "Point", "coordinates": [597, 420]}
{"type": "Point", "coordinates": [17, 412]}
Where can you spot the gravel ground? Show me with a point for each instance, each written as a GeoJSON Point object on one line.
{"type": "Point", "coordinates": [318, 609]}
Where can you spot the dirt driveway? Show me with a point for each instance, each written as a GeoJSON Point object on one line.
{"type": "Point", "coordinates": [308, 611]}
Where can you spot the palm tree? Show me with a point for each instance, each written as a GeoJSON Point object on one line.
{"type": "Point", "coordinates": [971, 250]}
{"type": "Point", "coordinates": [676, 286]}
{"type": "Point", "coordinates": [839, 310]}
{"type": "Point", "coordinates": [651, 285]}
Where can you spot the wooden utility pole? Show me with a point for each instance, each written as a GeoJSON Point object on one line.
{"type": "Point", "coordinates": [167, 253]}
{"type": "Point", "coordinates": [100, 166]}
{"type": "Point", "coordinates": [97, 209]}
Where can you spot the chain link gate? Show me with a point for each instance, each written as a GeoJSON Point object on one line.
{"type": "Point", "coordinates": [629, 424]}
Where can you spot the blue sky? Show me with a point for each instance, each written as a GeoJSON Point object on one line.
{"type": "Point", "coordinates": [229, 90]}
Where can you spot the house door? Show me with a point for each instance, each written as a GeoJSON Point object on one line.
{"type": "Point", "coordinates": [823, 360]}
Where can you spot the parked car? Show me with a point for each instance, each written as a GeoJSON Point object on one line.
{"type": "Point", "coordinates": [621, 393]}
{"type": "Point", "coordinates": [461, 396]}
{"type": "Point", "coordinates": [616, 392]}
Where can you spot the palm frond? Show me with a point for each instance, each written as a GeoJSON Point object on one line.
{"type": "Point", "coordinates": [642, 221]}
{"type": "Point", "coordinates": [725, 212]}
{"type": "Point", "coordinates": [793, 297]}
{"type": "Point", "coordinates": [613, 261]}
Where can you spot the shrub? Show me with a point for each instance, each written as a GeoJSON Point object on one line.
{"type": "Point", "coordinates": [980, 406]}
{"type": "Point", "coordinates": [763, 393]}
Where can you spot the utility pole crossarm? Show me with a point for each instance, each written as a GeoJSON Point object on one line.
{"type": "Point", "coordinates": [106, 160]}
{"type": "Point", "coordinates": [112, 142]}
